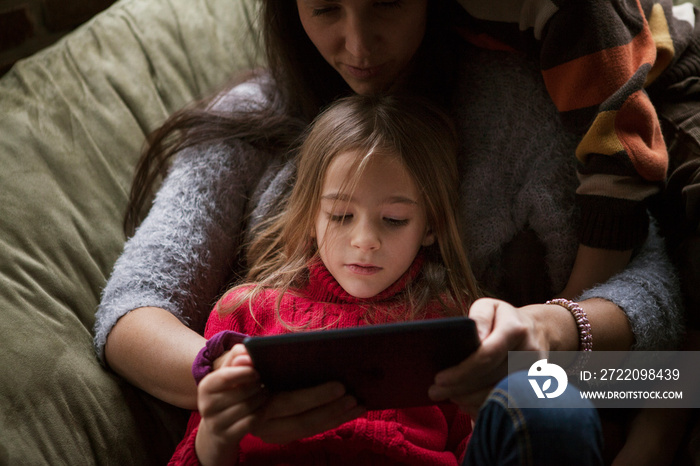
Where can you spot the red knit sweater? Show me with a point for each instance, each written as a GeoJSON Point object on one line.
{"type": "Point", "coordinates": [432, 435]}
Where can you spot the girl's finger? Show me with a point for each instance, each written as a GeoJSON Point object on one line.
{"type": "Point", "coordinates": [210, 404]}
{"type": "Point", "coordinates": [227, 386]}
{"type": "Point", "coordinates": [227, 418]}
{"type": "Point", "coordinates": [306, 424]}
{"type": "Point", "coordinates": [291, 403]}
{"type": "Point", "coordinates": [237, 351]}
{"type": "Point", "coordinates": [227, 378]}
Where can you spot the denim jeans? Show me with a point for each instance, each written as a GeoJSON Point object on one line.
{"type": "Point", "coordinates": [508, 435]}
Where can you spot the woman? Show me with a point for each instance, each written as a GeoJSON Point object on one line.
{"type": "Point", "coordinates": [223, 182]}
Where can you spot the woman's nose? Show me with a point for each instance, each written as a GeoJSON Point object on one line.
{"type": "Point", "coordinates": [359, 37]}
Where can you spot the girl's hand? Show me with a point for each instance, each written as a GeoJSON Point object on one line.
{"type": "Point", "coordinates": [501, 328]}
{"type": "Point", "coordinates": [291, 416]}
{"type": "Point", "coordinates": [233, 403]}
{"type": "Point", "coordinates": [227, 399]}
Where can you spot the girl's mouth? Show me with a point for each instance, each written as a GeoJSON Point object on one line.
{"type": "Point", "coordinates": [363, 269]}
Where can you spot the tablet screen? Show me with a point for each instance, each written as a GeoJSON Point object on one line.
{"type": "Point", "coordinates": [385, 366]}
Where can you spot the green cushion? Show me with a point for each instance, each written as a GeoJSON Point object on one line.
{"type": "Point", "coordinates": [72, 122]}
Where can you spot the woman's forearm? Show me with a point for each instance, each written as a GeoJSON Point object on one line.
{"type": "Point", "coordinates": [153, 350]}
{"type": "Point", "coordinates": [609, 325]}
{"type": "Point", "coordinates": [610, 328]}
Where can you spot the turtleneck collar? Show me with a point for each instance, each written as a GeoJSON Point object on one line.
{"type": "Point", "coordinates": [323, 287]}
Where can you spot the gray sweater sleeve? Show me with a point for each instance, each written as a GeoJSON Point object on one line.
{"type": "Point", "coordinates": [649, 294]}
{"type": "Point", "coordinates": [183, 253]}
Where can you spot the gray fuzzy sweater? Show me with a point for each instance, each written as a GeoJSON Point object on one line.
{"type": "Point", "coordinates": [517, 201]}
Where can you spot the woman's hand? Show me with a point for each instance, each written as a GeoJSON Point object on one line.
{"type": "Point", "coordinates": [502, 328]}
{"type": "Point", "coordinates": [233, 403]}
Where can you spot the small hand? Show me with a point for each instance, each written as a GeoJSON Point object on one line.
{"type": "Point", "coordinates": [291, 416]}
{"type": "Point", "coordinates": [233, 403]}
{"type": "Point", "coordinates": [228, 399]}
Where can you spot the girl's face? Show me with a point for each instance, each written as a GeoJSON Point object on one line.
{"type": "Point", "coordinates": [370, 43]}
{"type": "Point", "coordinates": [368, 238]}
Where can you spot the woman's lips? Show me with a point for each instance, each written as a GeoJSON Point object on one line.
{"type": "Point", "coordinates": [364, 72]}
{"type": "Point", "coordinates": [363, 269]}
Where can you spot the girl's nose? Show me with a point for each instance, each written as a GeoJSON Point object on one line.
{"type": "Point", "coordinates": [365, 237]}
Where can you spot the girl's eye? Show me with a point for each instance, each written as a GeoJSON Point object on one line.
{"type": "Point", "coordinates": [339, 218]}
{"type": "Point", "coordinates": [396, 222]}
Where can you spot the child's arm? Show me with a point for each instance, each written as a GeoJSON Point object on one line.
{"type": "Point", "coordinates": [593, 266]}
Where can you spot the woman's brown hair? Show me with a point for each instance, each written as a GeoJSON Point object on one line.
{"type": "Point", "coordinates": [301, 84]}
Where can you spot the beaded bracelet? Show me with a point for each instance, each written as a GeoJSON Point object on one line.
{"type": "Point", "coordinates": [584, 327]}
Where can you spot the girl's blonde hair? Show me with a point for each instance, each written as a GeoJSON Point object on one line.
{"type": "Point", "coordinates": [423, 138]}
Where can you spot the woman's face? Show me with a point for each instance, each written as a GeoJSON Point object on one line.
{"type": "Point", "coordinates": [370, 43]}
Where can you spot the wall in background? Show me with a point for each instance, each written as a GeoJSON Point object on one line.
{"type": "Point", "coordinates": [30, 25]}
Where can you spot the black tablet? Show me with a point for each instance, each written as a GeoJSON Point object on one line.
{"type": "Point", "coordinates": [385, 366]}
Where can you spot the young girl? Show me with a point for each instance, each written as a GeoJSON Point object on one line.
{"type": "Point", "coordinates": [369, 235]}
